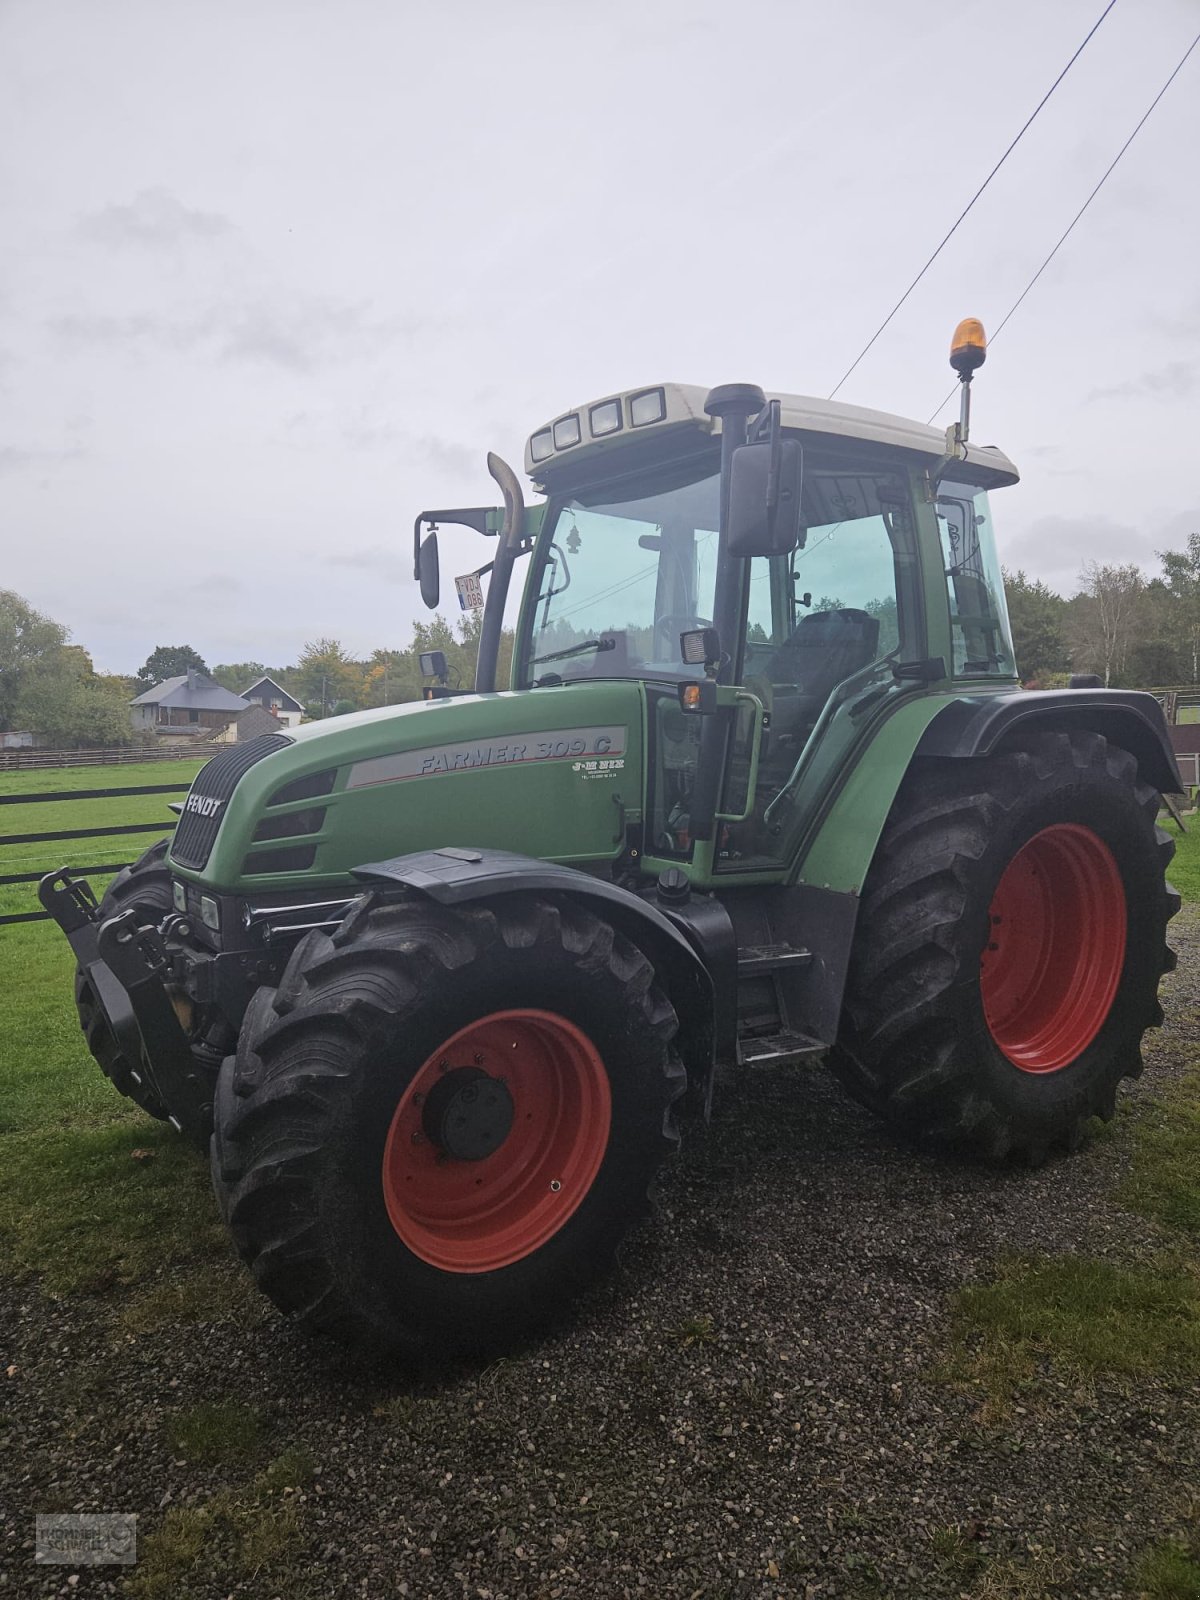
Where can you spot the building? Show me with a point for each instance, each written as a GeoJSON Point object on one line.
{"type": "Point", "coordinates": [192, 705]}
{"type": "Point", "coordinates": [249, 724]}
{"type": "Point", "coordinates": [284, 707]}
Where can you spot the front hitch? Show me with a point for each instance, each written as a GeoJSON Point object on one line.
{"type": "Point", "coordinates": [127, 964]}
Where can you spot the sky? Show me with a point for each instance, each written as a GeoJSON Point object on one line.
{"type": "Point", "coordinates": [277, 273]}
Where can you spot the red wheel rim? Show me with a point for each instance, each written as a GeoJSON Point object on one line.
{"type": "Point", "coordinates": [1056, 948]}
{"type": "Point", "coordinates": [476, 1215]}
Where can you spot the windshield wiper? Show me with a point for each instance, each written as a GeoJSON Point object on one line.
{"type": "Point", "coordinates": [575, 650]}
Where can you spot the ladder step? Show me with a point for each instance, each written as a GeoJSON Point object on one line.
{"type": "Point", "coordinates": [755, 959]}
{"type": "Point", "coordinates": [777, 1047]}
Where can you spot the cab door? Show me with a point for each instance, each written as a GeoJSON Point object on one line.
{"type": "Point", "coordinates": [825, 627]}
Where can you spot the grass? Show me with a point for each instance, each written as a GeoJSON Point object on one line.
{"type": "Point", "coordinates": [254, 1534]}
{"type": "Point", "coordinates": [102, 1219]}
{"type": "Point", "coordinates": [51, 816]}
{"type": "Point", "coordinates": [216, 1430]}
{"type": "Point", "coordinates": [1089, 1315]}
{"type": "Point", "coordinates": [1169, 1571]}
{"type": "Point", "coordinates": [1184, 871]}
{"type": "Point", "coordinates": [1164, 1177]}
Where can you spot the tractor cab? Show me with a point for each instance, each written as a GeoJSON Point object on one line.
{"type": "Point", "coordinates": [856, 566]}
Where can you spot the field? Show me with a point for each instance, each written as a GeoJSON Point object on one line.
{"type": "Point", "coordinates": [836, 1367]}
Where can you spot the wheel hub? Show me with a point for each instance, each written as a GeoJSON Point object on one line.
{"type": "Point", "coordinates": [468, 1114]}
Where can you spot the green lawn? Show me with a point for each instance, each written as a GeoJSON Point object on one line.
{"type": "Point", "coordinates": [1184, 871]}
{"type": "Point", "coordinates": [59, 815]}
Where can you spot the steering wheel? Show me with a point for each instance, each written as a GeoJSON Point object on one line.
{"type": "Point", "coordinates": [675, 623]}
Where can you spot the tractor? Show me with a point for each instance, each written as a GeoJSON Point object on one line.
{"type": "Point", "coordinates": [431, 981]}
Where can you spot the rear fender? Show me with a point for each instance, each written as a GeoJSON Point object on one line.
{"type": "Point", "coordinates": [984, 725]}
{"type": "Point", "coordinates": [455, 877]}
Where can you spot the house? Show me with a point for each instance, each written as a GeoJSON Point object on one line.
{"type": "Point", "coordinates": [275, 699]}
{"type": "Point", "coordinates": [249, 724]}
{"type": "Point", "coordinates": [190, 705]}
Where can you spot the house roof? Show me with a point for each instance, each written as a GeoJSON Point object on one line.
{"type": "Point", "coordinates": [194, 691]}
{"type": "Point", "coordinates": [288, 701]}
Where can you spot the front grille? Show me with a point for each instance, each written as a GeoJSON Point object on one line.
{"type": "Point", "coordinates": [196, 832]}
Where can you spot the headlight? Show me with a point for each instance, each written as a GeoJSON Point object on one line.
{"type": "Point", "coordinates": [566, 432]}
{"type": "Point", "coordinates": [541, 446]}
{"type": "Point", "coordinates": [649, 406]}
{"type": "Point", "coordinates": [605, 418]}
{"type": "Point", "coordinates": [210, 913]}
{"type": "Point", "coordinates": [179, 895]}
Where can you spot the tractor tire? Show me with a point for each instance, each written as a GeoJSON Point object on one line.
{"type": "Point", "coordinates": [437, 1129]}
{"type": "Point", "coordinates": [1011, 939]}
{"type": "Point", "coordinates": [146, 884]}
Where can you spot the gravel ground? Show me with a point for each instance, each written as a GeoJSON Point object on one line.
{"type": "Point", "coordinates": [757, 1404]}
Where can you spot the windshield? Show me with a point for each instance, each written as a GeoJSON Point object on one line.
{"type": "Point", "coordinates": [620, 574]}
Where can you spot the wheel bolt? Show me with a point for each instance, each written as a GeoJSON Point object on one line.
{"type": "Point", "coordinates": [418, 1137]}
{"type": "Point", "coordinates": [555, 1185]}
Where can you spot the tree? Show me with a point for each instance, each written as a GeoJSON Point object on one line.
{"type": "Point", "coordinates": [238, 675]}
{"type": "Point", "coordinates": [69, 705]}
{"type": "Point", "coordinates": [324, 675]}
{"type": "Point", "coordinates": [1104, 618]}
{"type": "Point", "coordinates": [168, 661]}
{"type": "Point", "coordinates": [1181, 574]}
{"type": "Point", "coordinates": [27, 639]}
{"type": "Point", "coordinates": [1037, 615]}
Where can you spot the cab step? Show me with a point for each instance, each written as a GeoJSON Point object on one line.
{"type": "Point", "coordinates": [777, 1047]}
{"type": "Point", "coordinates": [755, 960]}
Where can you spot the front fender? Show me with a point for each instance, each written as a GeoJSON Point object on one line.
{"type": "Point", "coordinates": [455, 877]}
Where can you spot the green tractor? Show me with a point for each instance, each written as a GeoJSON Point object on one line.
{"type": "Point", "coordinates": [430, 981]}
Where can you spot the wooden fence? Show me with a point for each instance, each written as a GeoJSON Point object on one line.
{"type": "Point", "coordinates": [30, 760]}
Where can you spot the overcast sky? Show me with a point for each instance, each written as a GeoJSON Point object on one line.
{"type": "Point", "coordinates": [278, 273]}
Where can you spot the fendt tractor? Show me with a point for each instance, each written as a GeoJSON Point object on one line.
{"type": "Point", "coordinates": [430, 980]}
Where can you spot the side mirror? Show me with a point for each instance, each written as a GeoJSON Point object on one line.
{"type": "Point", "coordinates": [429, 571]}
{"type": "Point", "coordinates": [764, 498]}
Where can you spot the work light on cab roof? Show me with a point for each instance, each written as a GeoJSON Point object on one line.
{"type": "Point", "coordinates": [763, 790]}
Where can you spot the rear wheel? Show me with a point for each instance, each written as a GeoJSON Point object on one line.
{"type": "Point", "coordinates": [146, 886]}
{"type": "Point", "coordinates": [1011, 940]}
{"type": "Point", "coordinates": [440, 1125]}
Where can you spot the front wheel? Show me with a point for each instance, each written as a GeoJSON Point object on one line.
{"type": "Point", "coordinates": [1011, 939]}
{"type": "Point", "coordinates": [438, 1128]}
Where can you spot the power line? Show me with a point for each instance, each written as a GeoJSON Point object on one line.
{"type": "Point", "coordinates": [971, 202]}
{"type": "Point", "coordinates": [1071, 226]}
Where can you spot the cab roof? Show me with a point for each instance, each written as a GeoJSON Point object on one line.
{"type": "Point", "coordinates": [670, 410]}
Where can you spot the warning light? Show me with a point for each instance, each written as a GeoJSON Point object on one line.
{"type": "Point", "coordinates": [968, 348]}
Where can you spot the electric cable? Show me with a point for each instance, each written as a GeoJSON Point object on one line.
{"type": "Point", "coordinates": [962, 215]}
{"type": "Point", "coordinates": [1071, 226]}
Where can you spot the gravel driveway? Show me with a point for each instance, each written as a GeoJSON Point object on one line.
{"type": "Point", "coordinates": [757, 1404]}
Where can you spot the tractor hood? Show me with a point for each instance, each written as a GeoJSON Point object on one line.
{"type": "Point", "coordinates": [549, 772]}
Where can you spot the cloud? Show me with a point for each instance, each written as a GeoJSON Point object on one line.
{"type": "Point", "coordinates": [367, 430]}
{"type": "Point", "coordinates": [385, 562]}
{"type": "Point", "coordinates": [296, 333]}
{"type": "Point", "coordinates": [154, 219]}
{"type": "Point", "coordinates": [16, 460]}
{"type": "Point", "coordinates": [1055, 548]}
{"type": "Point", "coordinates": [1175, 381]}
